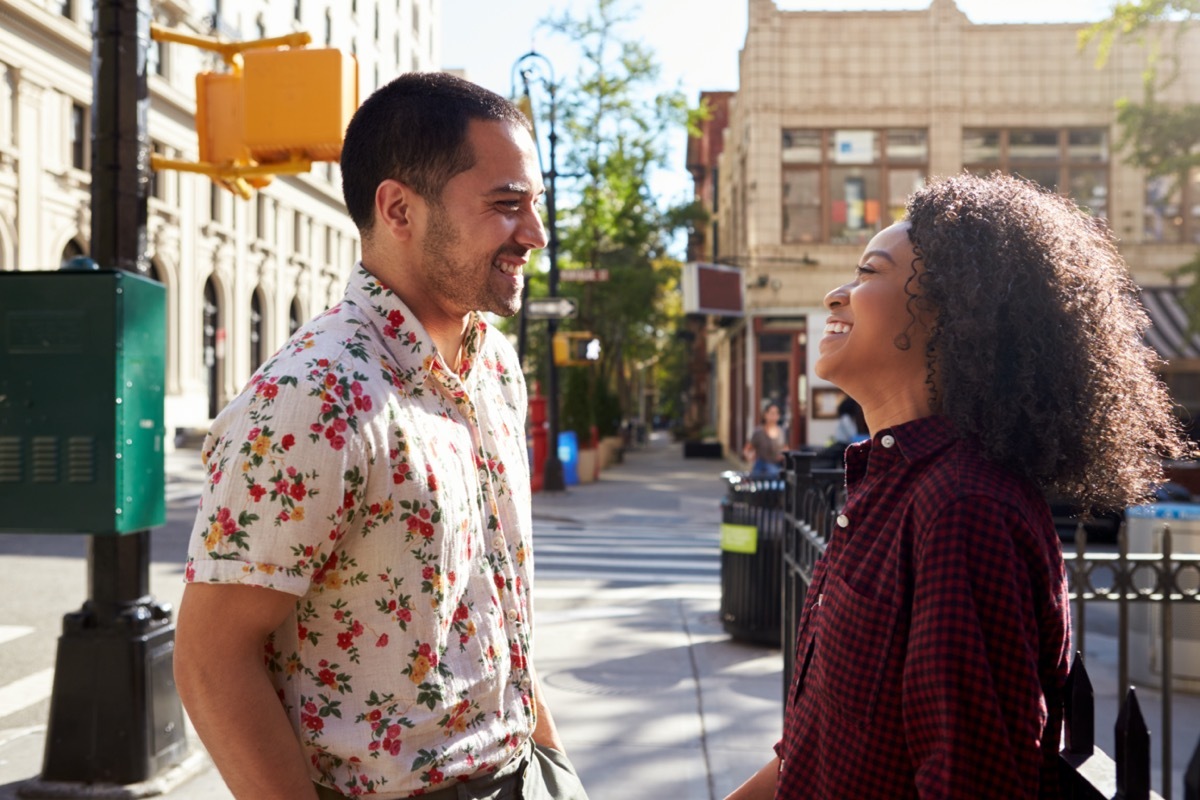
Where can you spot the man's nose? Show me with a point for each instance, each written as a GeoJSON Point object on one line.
{"type": "Point", "coordinates": [532, 233]}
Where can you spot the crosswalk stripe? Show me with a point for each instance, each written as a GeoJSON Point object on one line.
{"type": "Point", "coordinates": [25, 692]}
{"type": "Point", "coordinates": [10, 632]}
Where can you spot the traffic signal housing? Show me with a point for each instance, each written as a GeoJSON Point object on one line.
{"type": "Point", "coordinates": [575, 348]}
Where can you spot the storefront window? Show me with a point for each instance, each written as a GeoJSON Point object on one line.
{"type": "Point", "coordinates": [801, 205]}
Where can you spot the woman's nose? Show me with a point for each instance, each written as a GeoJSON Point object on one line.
{"type": "Point", "coordinates": [837, 297]}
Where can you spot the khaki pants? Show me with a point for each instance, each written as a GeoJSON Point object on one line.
{"type": "Point", "coordinates": [537, 773]}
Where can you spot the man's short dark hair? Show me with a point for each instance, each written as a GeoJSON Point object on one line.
{"type": "Point", "coordinates": [414, 130]}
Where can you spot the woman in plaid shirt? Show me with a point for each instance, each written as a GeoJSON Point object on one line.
{"type": "Point", "coordinates": [993, 339]}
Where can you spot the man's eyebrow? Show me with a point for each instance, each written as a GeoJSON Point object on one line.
{"type": "Point", "coordinates": [517, 187]}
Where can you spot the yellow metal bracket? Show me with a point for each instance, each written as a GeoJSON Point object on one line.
{"type": "Point", "coordinates": [241, 179]}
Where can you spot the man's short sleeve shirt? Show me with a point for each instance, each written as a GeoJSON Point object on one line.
{"type": "Point", "coordinates": [390, 494]}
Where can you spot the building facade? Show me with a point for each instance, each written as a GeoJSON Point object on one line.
{"type": "Point", "coordinates": [240, 275]}
{"type": "Point", "coordinates": [840, 115]}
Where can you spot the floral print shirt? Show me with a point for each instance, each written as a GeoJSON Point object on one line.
{"type": "Point", "coordinates": [390, 494]}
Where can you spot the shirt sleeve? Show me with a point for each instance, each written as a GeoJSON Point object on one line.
{"type": "Point", "coordinates": [285, 479]}
{"type": "Point", "coordinates": [973, 704]}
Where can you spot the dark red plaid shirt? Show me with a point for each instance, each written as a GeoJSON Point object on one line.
{"type": "Point", "coordinates": [934, 642]}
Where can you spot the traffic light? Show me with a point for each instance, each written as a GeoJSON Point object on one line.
{"type": "Point", "coordinates": [575, 348]}
{"type": "Point", "coordinates": [278, 108]}
{"type": "Point", "coordinates": [298, 103]}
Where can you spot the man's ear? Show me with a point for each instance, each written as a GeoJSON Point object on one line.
{"type": "Point", "coordinates": [397, 207]}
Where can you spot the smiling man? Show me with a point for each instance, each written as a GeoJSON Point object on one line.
{"type": "Point", "coordinates": [358, 613]}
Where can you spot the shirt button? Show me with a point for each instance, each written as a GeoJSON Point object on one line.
{"type": "Point", "coordinates": [843, 521]}
{"type": "Point", "coordinates": [498, 542]}
{"type": "Point", "coordinates": [512, 615]}
{"type": "Point", "coordinates": [526, 683]}
{"type": "Point", "coordinates": [888, 440]}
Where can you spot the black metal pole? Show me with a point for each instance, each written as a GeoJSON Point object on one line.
{"type": "Point", "coordinates": [114, 713]}
{"type": "Point", "coordinates": [552, 469]}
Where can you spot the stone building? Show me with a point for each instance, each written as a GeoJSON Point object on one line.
{"type": "Point", "coordinates": [840, 115]}
{"type": "Point", "coordinates": [241, 275]}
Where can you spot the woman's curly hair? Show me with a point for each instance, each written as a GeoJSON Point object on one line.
{"type": "Point", "coordinates": [1036, 351]}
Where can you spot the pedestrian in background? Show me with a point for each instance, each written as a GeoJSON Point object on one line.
{"type": "Point", "coordinates": [764, 450]}
{"type": "Point", "coordinates": [357, 617]}
{"type": "Point", "coordinates": [993, 339]}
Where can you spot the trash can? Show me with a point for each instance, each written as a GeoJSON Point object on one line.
{"type": "Point", "coordinates": [1145, 526]}
{"type": "Point", "coordinates": [752, 525]}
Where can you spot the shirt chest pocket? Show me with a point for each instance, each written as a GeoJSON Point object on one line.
{"type": "Point", "coordinates": [853, 639]}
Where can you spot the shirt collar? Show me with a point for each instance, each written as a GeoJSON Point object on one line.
{"type": "Point", "coordinates": [910, 442]}
{"type": "Point", "coordinates": [404, 336]}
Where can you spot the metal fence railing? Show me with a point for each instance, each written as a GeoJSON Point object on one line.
{"type": "Point", "coordinates": [812, 499]}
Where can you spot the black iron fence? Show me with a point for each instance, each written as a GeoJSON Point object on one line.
{"type": "Point", "coordinates": [811, 499]}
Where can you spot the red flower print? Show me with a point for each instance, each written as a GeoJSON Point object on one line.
{"type": "Point", "coordinates": [412, 338]}
{"type": "Point", "coordinates": [337, 442]}
{"type": "Point", "coordinates": [375, 715]}
{"type": "Point", "coordinates": [424, 513]}
{"type": "Point", "coordinates": [301, 632]}
{"type": "Point", "coordinates": [427, 530]}
{"type": "Point", "coordinates": [269, 390]}
{"type": "Point", "coordinates": [345, 640]}
{"type": "Point", "coordinates": [312, 722]}
{"type": "Point", "coordinates": [499, 579]}
{"type": "Point", "coordinates": [460, 613]}
{"type": "Point", "coordinates": [253, 434]}
{"type": "Point", "coordinates": [298, 491]}
{"type": "Point", "coordinates": [356, 628]}
{"type": "Point", "coordinates": [436, 776]}
{"type": "Point", "coordinates": [257, 492]}
{"type": "Point", "coordinates": [405, 615]}
{"type": "Point", "coordinates": [330, 379]}
{"type": "Point", "coordinates": [427, 573]}
{"type": "Point", "coordinates": [382, 641]}
{"type": "Point", "coordinates": [327, 677]}
{"type": "Point", "coordinates": [395, 317]}
{"type": "Point", "coordinates": [288, 441]}
{"type": "Point", "coordinates": [310, 706]}
{"type": "Point", "coordinates": [433, 485]}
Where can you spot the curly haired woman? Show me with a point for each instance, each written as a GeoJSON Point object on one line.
{"type": "Point", "coordinates": [993, 339]}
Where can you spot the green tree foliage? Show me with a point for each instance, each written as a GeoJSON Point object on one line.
{"type": "Point", "coordinates": [614, 122]}
{"type": "Point", "coordinates": [1160, 137]}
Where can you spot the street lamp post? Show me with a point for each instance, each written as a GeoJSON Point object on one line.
{"type": "Point", "coordinates": [533, 66]}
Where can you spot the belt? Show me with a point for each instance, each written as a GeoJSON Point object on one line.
{"type": "Point", "coordinates": [502, 784]}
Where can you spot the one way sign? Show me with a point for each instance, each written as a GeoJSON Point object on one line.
{"type": "Point", "coordinates": [549, 307]}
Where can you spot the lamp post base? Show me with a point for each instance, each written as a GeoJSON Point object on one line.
{"type": "Point", "coordinates": [552, 474]}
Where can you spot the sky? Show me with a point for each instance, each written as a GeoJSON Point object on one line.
{"type": "Point", "coordinates": [696, 42]}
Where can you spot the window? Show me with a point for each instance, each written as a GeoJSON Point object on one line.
{"type": "Point", "coordinates": [328, 27]}
{"type": "Point", "coordinates": [260, 27]}
{"type": "Point", "coordinates": [67, 8]}
{"type": "Point", "coordinates": [78, 136]}
{"type": "Point", "coordinates": [214, 202]}
{"type": "Point", "coordinates": [261, 209]}
{"type": "Point", "coordinates": [297, 10]}
{"type": "Point", "coordinates": [155, 58]}
{"type": "Point", "coordinates": [257, 348]}
{"type": "Point", "coordinates": [377, 22]}
{"type": "Point", "coordinates": [298, 234]}
{"type": "Point", "coordinates": [843, 186]}
{"type": "Point", "coordinates": [1071, 161]}
{"type": "Point", "coordinates": [416, 17]}
{"type": "Point", "coordinates": [1172, 212]}
{"type": "Point", "coordinates": [158, 183]}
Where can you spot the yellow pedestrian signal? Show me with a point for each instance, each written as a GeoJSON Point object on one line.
{"type": "Point", "coordinates": [278, 108]}
{"type": "Point", "coordinates": [298, 103]}
{"type": "Point", "coordinates": [575, 348]}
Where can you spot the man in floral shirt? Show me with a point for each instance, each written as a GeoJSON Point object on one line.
{"type": "Point", "coordinates": [357, 619]}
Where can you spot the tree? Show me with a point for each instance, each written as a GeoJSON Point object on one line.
{"type": "Point", "coordinates": [615, 121]}
{"type": "Point", "coordinates": [1161, 137]}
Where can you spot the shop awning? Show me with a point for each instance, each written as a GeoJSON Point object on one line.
{"type": "Point", "coordinates": [1170, 333]}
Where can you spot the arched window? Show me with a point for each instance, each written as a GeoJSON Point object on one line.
{"type": "Point", "coordinates": [257, 346]}
{"type": "Point", "coordinates": [295, 319]}
{"type": "Point", "coordinates": [214, 346]}
{"type": "Point", "coordinates": [73, 250]}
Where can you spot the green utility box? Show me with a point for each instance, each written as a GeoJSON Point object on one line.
{"type": "Point", "coordinates": [82, 382]}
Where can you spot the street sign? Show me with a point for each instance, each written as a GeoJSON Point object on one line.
{"type": "Point", "coordinates": [549, 308]}
{"type": "Point", "coordinates": [583, 275]}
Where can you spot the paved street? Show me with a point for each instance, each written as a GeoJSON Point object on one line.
{"type": "Point", "coordinates": [653, 698]}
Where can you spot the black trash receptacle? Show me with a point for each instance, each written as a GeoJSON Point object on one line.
{"type": "Point", "coordinates": [752, 558]}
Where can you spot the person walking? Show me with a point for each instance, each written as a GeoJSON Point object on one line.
{"type": "Point", "coordinates": [993, 339]}
{"type": "Point", "coordinates": [764, 450]}
{"type": "Point", "coordinates": [357, 617]}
